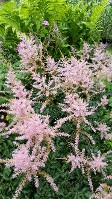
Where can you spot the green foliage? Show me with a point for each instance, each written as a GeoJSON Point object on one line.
{"type": "Point", "coordinates": [106, 23]}
{"type": "Point", "coordinates": [9, 18]}
{"type": "Point", "coordinates": [69, 24]}
{"type": "Point", "coordinates": [76, 29]}
{"type": "Point", "coordinates": [28, 16]}
{"type": "Point", "coordinates": [3, 89]}
{"type": "Point", "coordinates": [82, 21]}
{"type": "Point", "coordinates": [94, 19]}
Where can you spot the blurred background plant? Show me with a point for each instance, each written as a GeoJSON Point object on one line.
{"type": "Point", "coordinates": [70, 23]}
{"type": "Point", "coordinates": [106, 24]}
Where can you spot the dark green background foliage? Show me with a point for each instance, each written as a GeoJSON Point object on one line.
{"type": "Point", "coordinates": [69, 23]}
{"type": "Point", "coordinates": [106, 23]}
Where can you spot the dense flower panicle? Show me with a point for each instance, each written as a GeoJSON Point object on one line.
{"type": "Point", "coordinates": [2, 125]}
{"type": "Point", "coordinates": [35, 130]}
{"type": "Point", "coordinates": [36, 181]}
{"type": "Point", "coordinates": [51, 65]}
{"type": "Point", "coordinates": [104, 129]}
{"type": "Point", "coordinates": [85, 52]}
{"type": "Point", "coordinates": [32, 128]}
{"type": "Point", "coordinates": [90, 180]}
{"type": "Point", "coordinates": [62, 121]}
{"type": "Point", "coordinates": [77, 161]}
{"type": "Point", "coordinates": [100, 56]}
{"type": "Point", "coordinates": [104, 191]}
{"type": "Point", "coordinates": [89, 137]}
{"type": "Point", "coordinates": [51, 181]}
{"type": "Point", "coordinates": [107, 136]}
{"type": "Point", "coordinates": [104, 72]}
{"type": "Point", "coordinates": [104, 100]}
{"type": "Point", "coordinates": [78, 109]}
{"type": "Point", "coordinates": [76, 106]}
{"type": "Point", "coordinates": [20, 105]}
{"type": "Point", "coordinates": [86, 165]}
{"type": "Point", "coordinates": [21, 108]}
{"type": "Point", "coordinates": [28, 124]}
{"type": "Point", "coordinates": [45, 88]}
{"type": "Point", "coordinates": [21, 160]}
{"type": "Point", "coordinates": [97, 163]}
{"type": "Point", "coordinates": [102, 63]}
{"type": "Point", "coordinates": [17, 88]}
{"type": "Point", "coordinates": [76, 73]}
{"type": "Point", "coordinates": [26, 163]}
{"type": "Point", "coordinates": [27, 50]}
{"type": "Point", "coordinates": [19, 188]}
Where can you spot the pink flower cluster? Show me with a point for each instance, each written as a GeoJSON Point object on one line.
{"type": "Point", "coordinates": [80, 79]}
{"type": "Point", "coordinates": [75, 105]}
{"type": "Point", "coordinates": [2, 125]}
{"type": "Point", "coordinates": [32, 128]}
{"type": "Point", "coordinates": [104, 191]}
{"type": "Point", "coordinates": [76, 73]}
{"type": "Point", "coordinates": [104, 129]}
{"type": "Point", "coordinates": [27, 50]}
{"type": "Point", "coordinates": [87, 165]}
{"type": "Point", "coordinates": [97, 163]}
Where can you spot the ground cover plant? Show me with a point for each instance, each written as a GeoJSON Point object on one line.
{"type": "Point", "coordinates": [58, 123]}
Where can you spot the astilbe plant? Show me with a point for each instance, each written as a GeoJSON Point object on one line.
{"type": "Point", "coordinates": [104, 191]}
{"type": "Point", "coordinates": [80, 78]}
{"type": "Point", "coordinates": [32, 128]}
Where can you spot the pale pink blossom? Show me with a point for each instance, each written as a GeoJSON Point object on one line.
{"type": "Point", "coordinates": [100, 56]}
{"type": "Point", "coordinates": [17, 88]}
{"type": "Point", "coordinates": [75, 160]}
{"type": "Point", "coordinates": [104, 100]}
{"type": "Point", "coordinates": [76, 73]}
{"type": "Point", "coordinates": [27, 50]}
{"type": "Point", "coordinates": [104, 129]}
{"type": "Point", "coordinates": [85, 52]}
{"type": "Point", "coordinates": [2, 125]}
{"type": "Point", "coordinates": [51, 181]}
{"type": "Point", "coordinates": [78, 161]}
{"type": "Point", "coordinates": [97, 163]}
{"type": "Point", "coordinates": [21, 108]}
{"type": "Point", "coordinates": [45, 88]}
{"type": "Point", "coordinates": [104, 191]}
{"type": "Point", "coordinates": [51, 65]}
{"type": "Point", "coordinates": [76, 106]}
{"type": "Point", "coordinates": [26, 163]}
